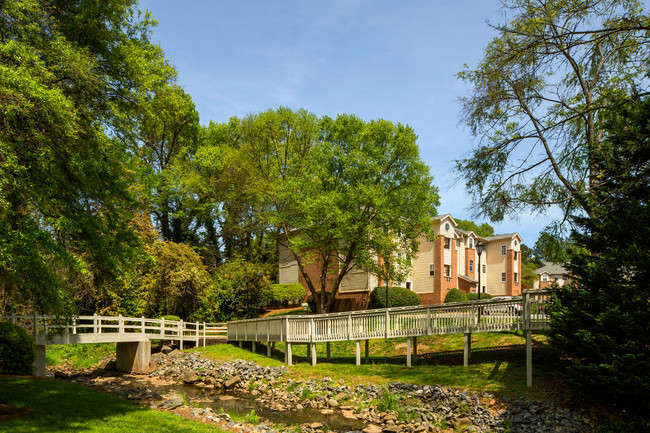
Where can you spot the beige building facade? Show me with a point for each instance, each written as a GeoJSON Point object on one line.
{"type": "Point", "coordinates": [448, 261]}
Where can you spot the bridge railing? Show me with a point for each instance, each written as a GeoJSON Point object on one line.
{"type": "Point", "coordinates": [477, 316]}
{"type": "Point", "coordinates": [48, 329]}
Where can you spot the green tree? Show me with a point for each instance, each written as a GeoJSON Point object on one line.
{"type": "Point", "coordinates": [71, 73]}
{"type": "Point", "coordinates": [551, 247]}
{"type": "Point", "coordinates": [358, 191]}
{"type": "Point", "coordinates": [602, 320]}
{"type": "Point", "coordinates": [529, 263]}
{"type": "Point", "coordinates": [484, 230]}
{"type": "Point", "coordinates": [536, 99]}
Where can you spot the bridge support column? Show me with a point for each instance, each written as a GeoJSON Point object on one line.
{"type": "Point", "coordinates": [358, 352]}
{"type": "Point", "coordinates": [133, 356]}
{"type": "Point", "coordinates": [408, 351]}
{"type": "Point", "coordinates": [268, 349]}
{"type": "Point", "coordinates": [288, 357]}
{"type": "Point", "coordinates": [467, 348]}
{"type": "Point", "coordinates": [312, 353]}
{"type": "Point", "coordinates": [241, 344]}
{"type": "Point", "coordinates": [39, 360]}
{"type": "Point", "coordinates": [329, 351]}
{"type": "Point", "coordinates": [254, 347]}
{"type": "Point", "coordinates": [529, 358]}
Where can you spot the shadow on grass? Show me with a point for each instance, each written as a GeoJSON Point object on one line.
{"type": "Point", "coordinates": [59, 406]}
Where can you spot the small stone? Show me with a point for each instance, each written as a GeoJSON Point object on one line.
{"type": "Point", "coordinates": [166, 350]}
{"type": "Point", "coordinates": [232, 382]}
{"type": "Point", "coordinates": [392, 429]}
{"type": "Point", "coordinates": [332, 403]}
{"type": "Point", "coordinates": [315, 425]}
{"type": "Point", "coordinates": [190, 377]}
{"type": "Point", "coordinates": [372, 428]}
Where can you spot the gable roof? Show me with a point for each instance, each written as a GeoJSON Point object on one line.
{"type": "Point", "coordinates": [554, 268]}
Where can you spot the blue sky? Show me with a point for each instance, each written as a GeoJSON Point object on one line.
{"type": "Point", "coordinates": [393, 60]}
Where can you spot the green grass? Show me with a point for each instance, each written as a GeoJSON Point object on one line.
{"type": "Point", "coordinates": [78, 355]}
{"type": "Point", "coordinates": [65, 407]}
{"type": "Point", "coordinates": [497, 363]}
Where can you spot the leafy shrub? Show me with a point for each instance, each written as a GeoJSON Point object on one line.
{"type": "Point", "coordinates": [171, 317]}
{"type": "Point", "coordinates": [474, 296]}
{"type": "Point", "coordinates": [16, 350]}
{"type": "Point", "coordinates": [397, 297]}
{"type": "Point", "coordinates": [287, 292]}
{"type": "Point", "coordinates": [455, 295]}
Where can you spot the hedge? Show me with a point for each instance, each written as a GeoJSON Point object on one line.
{"type": "Point", "coordinates": [287, 292]}
{"type": "Point", "coordinates": [16, 350]}
{"type": "Point", "coordinates": [455, 295]}
{"type": "Point", "coordinates": [397, 297]}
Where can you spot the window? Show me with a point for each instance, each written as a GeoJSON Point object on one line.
{"type": "Point", "coordinates": [408, 285]}
{"type": "Point", "coordinates": [544, 277]}
{"type": "Point", "coordinates": [447, 270]}
{"type": "Point", "coordinates": [503, 277]}
{"type": "Point", "coordinates": [484, 268]}
{"type": "Point", "coordinates": [471, 265]}
{"type": "Point", "coordinates": [432, 269]}
{"type": "Point", "coordinates": [484, 290]}
{"type": "Point", "coordinates": [516, 255]}
{"type": "Point", "coordinates": [516, 277]}
{"type": "Point", "coordinates": [447, 243]}
{"type": "Point", "coordinates": [447, 226]}
{"type": "Point", "coordinates": [471, 243]}
{"type": "Point", "coordinates": [504, 250]}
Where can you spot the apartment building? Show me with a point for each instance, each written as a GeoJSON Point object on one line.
{"type": "Point", "coordinates": [450, 260]}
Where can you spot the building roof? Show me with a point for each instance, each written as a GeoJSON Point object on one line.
{"type": "Point", "coordinates": [505, 236]}
{"type": "Point", "coordinates": [552, 268]}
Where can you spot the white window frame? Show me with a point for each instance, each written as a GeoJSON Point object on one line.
{"type": "Point", "coordinates": [504, 277]}
{"type": "Point", "coordinates": [484, 266]}
{"type": "Point", "coordinates": [447, 242]}
{"type": "Point", "coordinates": [544, 277]}
{"type": "Point", "coordinates": [471, 243]}
{"type": "Point", "coordinates": [504, 250]}
{"type": "Point", "coordinates": [516, 277]}
{"type": "Point", "coordinates": [432, 269]}
{"type": "Point", "coordinates": [409, 285]}
{"type": "Point", "coordinates": [471, 265]}
{"type": "Point", "coordinates": [448, 271]}
{"type": "Point", "coordinates": [516, 255]}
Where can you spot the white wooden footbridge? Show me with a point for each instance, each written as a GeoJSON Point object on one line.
{"type": "Point", "coordinates": [133, 335]}
{"type": "Point", "coordinates": [526, 314]}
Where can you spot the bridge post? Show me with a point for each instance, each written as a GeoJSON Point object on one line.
{"type": "Point", "coordinates": [312, 350]}
{"type": "Point", "coordinates": [329, 351]}
{"type": "Point", "coordinates": [288, 355]}
{"type": "Point", "coordinates": [268, 349]}
{"type": "Point", "coordinates": [358, 352]}
{"type": "Point", "coordinates": [203, 335]}
{"type": "Point", "coordinates": [39, 360]}
{"type": "Point", "coordinates": [467, 348]}
{"type": "Point", "coordinates": [180, 334]}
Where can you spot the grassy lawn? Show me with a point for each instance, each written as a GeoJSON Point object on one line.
{"type": "Point", "coordinates": [59, 406]}
{"type": "Point", "coordinates": [497, 363]}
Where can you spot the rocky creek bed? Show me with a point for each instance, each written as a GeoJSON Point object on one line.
{"type": "Point", "coordinates": [197, 387]}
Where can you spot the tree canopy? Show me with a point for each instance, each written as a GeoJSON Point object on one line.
{"type": "Point", "coordinates": [71, 73]}
{"type": "Point", "coordinates": [536, 98]}
{"type": "Point", "coordinates": [602, 320]}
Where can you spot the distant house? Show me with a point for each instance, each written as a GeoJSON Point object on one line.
{"type": "Point", "coordinates": [449, 261]}
{"type": "Point", "coordinates": [551, 272]}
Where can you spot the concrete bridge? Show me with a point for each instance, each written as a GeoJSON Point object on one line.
{"type": "Point", "coordinates": [133, 335]}
{"type": "Point", "coordinates": [526, 314]}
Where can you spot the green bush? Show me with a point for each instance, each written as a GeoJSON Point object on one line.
{"type": "Point", "coordinates": [455, 295]}
{"type": "Point", "coordinates": [16, 350]}
{"type": "Point", "coordinates": [171, 317]}
{"type": "Point", "coordinates": [474, 296]}
{"type": "Point", "coordinates": [287, 292]}
{"type": "Point", "coordinates": [397, 297]}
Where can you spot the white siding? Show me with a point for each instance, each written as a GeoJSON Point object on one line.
{"type": "Point", "coordinates": [288, 272]}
